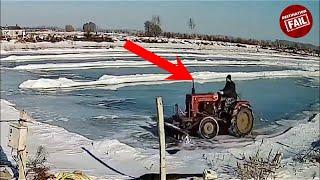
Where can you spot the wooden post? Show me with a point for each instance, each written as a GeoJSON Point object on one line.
{"type": "Point", "coordinates": [22, 155]}
{"type": "Point", "coordinates": [161, 138]}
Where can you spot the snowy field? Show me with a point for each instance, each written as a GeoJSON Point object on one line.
{"type": "Point", "coordinates": [86, 97]}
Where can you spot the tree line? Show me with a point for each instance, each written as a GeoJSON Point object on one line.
{"type": "Point", "coordinates": [152, 28]}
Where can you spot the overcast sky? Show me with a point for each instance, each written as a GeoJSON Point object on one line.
{"type": "Point", "coordinates": [247, 19]}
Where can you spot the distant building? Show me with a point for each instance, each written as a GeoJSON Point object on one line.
{"type": "Point", "coordinates": [12, 32]}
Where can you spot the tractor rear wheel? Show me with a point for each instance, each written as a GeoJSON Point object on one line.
{"type": "Point", "coordinates": [242, 122]}
{"type": "Point", "coordinates": [208, 128]}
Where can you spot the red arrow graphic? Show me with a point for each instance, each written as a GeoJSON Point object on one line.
{"type": "Point", "coordinates": [178, 71]}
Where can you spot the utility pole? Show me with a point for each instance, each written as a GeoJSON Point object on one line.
{"type": "Point", "coordinates": [161, 138]}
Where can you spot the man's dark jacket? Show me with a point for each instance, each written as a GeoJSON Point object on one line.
{"type": "Point", "coordinates": [229, 90]}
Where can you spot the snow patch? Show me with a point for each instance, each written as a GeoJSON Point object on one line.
{"type": "Point", "coordinates": [136, 64]}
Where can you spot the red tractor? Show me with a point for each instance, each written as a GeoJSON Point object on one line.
{"type": "Point", "coordinates": [206, 115]}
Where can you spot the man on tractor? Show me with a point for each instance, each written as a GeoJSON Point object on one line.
{"type": "Point", "coordinates": [210, 114]}
{"type": "Point", "coordinates": [228, 93]}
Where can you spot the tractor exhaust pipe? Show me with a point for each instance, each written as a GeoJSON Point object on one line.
{"type": "Point", "coordinates": [193, 91]}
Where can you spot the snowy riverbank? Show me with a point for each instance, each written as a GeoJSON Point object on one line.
{"type": "Point", "coordinates": [69, 151]}
{"type": "Point", "coordinates": [216, 48]}
{"type": "Point", "coordinates": [64, 148]}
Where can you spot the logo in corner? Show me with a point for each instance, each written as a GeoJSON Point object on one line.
{"type": "Point", "coordinates": [296, 21]}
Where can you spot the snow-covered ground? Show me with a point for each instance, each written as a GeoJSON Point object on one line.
{"type": "Point", "coordinates": [69, 151]}
{"type": "Point", "coordinates": [64, 148]}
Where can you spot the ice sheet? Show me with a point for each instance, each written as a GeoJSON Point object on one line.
{"type": "Point", "coordinates": [114, 82]}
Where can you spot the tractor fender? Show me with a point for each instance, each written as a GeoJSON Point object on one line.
{"type": "Point", "coordinates": [239, 105]}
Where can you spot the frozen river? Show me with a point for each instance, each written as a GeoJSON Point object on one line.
{"type": "Point", "coordinates": [124, 114]}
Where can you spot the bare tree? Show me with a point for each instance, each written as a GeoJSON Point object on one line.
{"type": "Point", "coordinates": [191, 24]}
{"type": "Point", "coordinates": [156, 20]}
{"type": "Point", "coordinates": [147, 27]}
{"type": "Point", "coordinates": [152, 28]}
{"type": "Point", "coordinates": [89, 27]}
{"type": "Point", "coordinates": [69, 28]}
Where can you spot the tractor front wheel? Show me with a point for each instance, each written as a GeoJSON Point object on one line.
{"type": "Point", "coordinates": [208, 128]}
